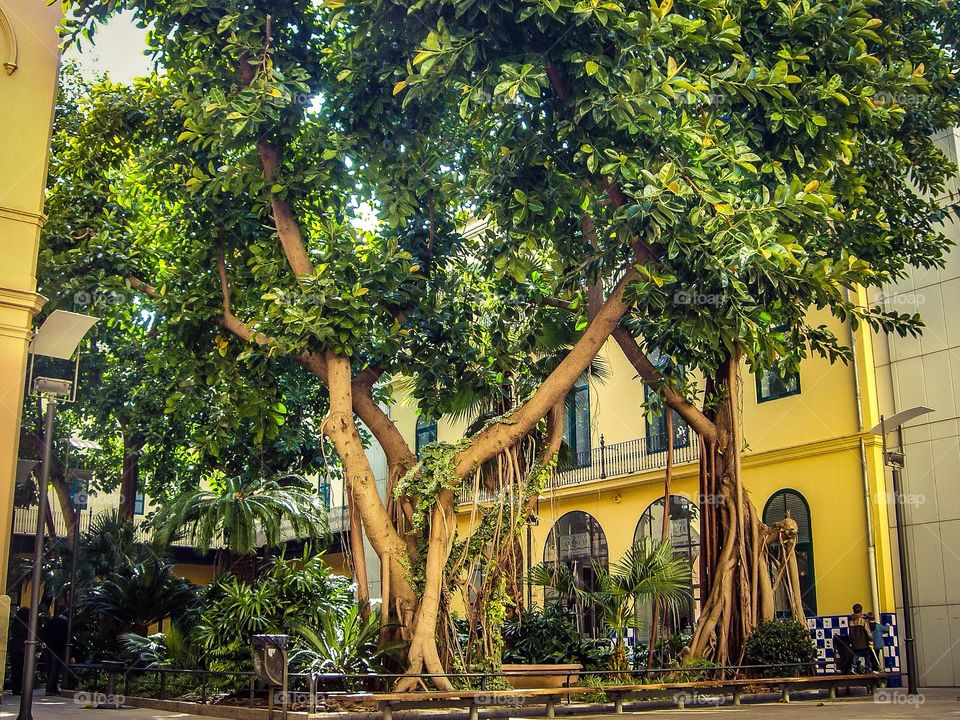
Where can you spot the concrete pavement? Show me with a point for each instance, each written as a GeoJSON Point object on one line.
{"type": "Point", "coordinates": [59, 708]}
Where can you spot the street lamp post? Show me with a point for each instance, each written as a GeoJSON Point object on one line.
{"type": "Point", "coordinates": [74, 557]}
{"type": "Point", "coordinates": [59, 337]}
{"type": "Point", "coordinates": [895, 460]}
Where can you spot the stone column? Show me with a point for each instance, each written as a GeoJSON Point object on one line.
{"type": "Point", "coordinates": [29, 63]}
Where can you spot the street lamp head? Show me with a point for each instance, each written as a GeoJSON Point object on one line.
{"type": "Point", "coordinates": [898, 419]}
{"type": "Point", "coordinates": [57, 387]}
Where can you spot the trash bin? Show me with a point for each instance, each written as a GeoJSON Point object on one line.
{"type": "Point", "coordinates": [270, 664]}
{"type": "Point", "coordinates": [111, 701]}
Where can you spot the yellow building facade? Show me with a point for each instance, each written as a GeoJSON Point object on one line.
{"type": "Point", "coordinates": [29, 62]}
{"type": "Point", "coordinates": [806, 449]}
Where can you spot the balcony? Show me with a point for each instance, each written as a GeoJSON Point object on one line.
{"type": "Point", "coordinates": [25, 522]}
{"type": "Point", "coordinates": [613, 461]}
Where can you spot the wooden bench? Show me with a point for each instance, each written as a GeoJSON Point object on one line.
{"type": "Point", "coordinates": [473, 700]}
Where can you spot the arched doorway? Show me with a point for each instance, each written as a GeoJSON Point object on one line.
{"type": "Point", "coordinates": [577, 541]}
{"type": "Point", "coordinates": [685, 538]}
{"type": "Point", "coordinates": [792, 502]}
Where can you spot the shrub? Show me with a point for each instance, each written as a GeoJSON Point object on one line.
{"type": "Point", "coordinates": [785, 643]}
{"type": "Point", "coordinates": [549, 637]}
{"type": "Point", "coordinates": [288, 595]}
{"type": "Point", "coordinates": [348, 644]}
{"type": "Point", "coordinates": [688, 670]}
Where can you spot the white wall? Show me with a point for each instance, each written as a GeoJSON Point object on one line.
{"type": "Point", "coordinates": [926, 371]}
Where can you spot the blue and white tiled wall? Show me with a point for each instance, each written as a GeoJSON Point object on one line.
{"type": "Point", "coordinates": [823, 628]}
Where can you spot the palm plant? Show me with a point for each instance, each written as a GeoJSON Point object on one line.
{"type": "Point", "coordinates": [347, 644]}
{"type": "Point", "coordinates": [648, 573]}
{"type": "Point", "coordinates": [139, 595]}
{"type": "Point", "coordinates": [246, 514]}
{"type": "Point", "coordinates": [171, 648]}
{"type": "Point", "coordinates": [559, 580]}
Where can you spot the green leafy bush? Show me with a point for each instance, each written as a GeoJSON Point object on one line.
{"type": "Point", "coordinates": [172, 648]}
{"type": "Point", "coordinates": [689, 670]}
{"type": "Point", "coordinates": [785, 643]}
{"type": "Point", "coordinates": [549, 637]}
{"type": "Point", "coordinates": [287, 595]}
{"type": "Point", "coordinates": [348, 644]}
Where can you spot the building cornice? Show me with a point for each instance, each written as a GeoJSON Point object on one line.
{"type": "Point", "coordinates": [21, 300]}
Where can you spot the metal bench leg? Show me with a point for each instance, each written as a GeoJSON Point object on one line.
{"type": "Point", "coordinates": [551, 708]}
{"type": "Point", "coordinates": [784, 694]}
{"type": "Point", "coordinates": [387, 711]}
{"type": "Point", "coordinates": [474, 711]}
{"type": "Point", "coordinates": [833, 692]}
{"type": "Point", "coordinates": [736, 697]}
{"type": "Point", "coordinates": [618, 704]}
{"type": "Point", "coordinates": [681, 701]}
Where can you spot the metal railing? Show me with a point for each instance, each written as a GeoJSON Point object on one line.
{"type": "Point", "coordinates": [612, 461]}
{"type": "Point", "coordinates": [338, 518]}
{"type": "Point", "coordinates": [25, 522]}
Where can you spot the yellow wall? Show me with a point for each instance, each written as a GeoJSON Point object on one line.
{"type": "Point", "coordinates": [29, 61]}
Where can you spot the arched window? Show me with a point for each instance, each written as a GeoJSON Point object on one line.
{"type": "Point", "coordinates": [577, 541]}
{"type": "Point", "coordinates": [778, 506]}
{"type": "Point", "coordinates": [685, 537]}
{"type": "Point", "coordinates": [426, 432]}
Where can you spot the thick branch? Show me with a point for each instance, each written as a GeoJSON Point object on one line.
{"type": "Point", "coordinates": [361, 483]}
{"type": "Point", "coordinates": [499, 437]}
{"type": "Point", "coordinates": [650, 375]}
{"type": "Point", "coordinates": [228, 320]}
{"type": "Point", "coordinates": [139, 285]}
{"type": "Point", "coordinates": [285, 220]}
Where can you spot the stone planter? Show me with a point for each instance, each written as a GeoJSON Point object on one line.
{"type": "Point", "coordinates": [542, 676]}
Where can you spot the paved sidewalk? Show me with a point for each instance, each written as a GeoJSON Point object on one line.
{"type": "Point", "coordinates": [936, 704]}
{"type": "Point", "coordinates": [58, 708]}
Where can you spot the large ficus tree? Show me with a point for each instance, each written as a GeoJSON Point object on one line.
{"type": "Point", "coordinates": [298, 183]}
{"type": "Point", "coordinates": [132, 369]}
{"type": "Point", "coordinates": [759, 160]}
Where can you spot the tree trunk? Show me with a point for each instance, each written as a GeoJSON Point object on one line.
{"type": "Point", "coordinates": [664, 530]}
{"type": "Point", "coordinates": [70, 515]}
{"type": "Point", "coordinates": [130, 476]}
{"type": "Point", "coordinates": [358, 555]}
{"type": "Point", "coordinates": [732, 536]}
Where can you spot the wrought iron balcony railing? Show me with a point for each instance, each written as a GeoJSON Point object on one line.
{"type": "Point", "coordinates": [615, 460]}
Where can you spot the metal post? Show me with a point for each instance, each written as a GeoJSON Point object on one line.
{"type": "Point", "coordinates": [30, 644]}
{"type": "Point", "coordinates": [603, 458]}
{"type": "Point", "coordinates": [529, 564]}
{"type": "Point", "coordinates": [909, 646]}
{"type": "Point", "coordinates": [68, 650]}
